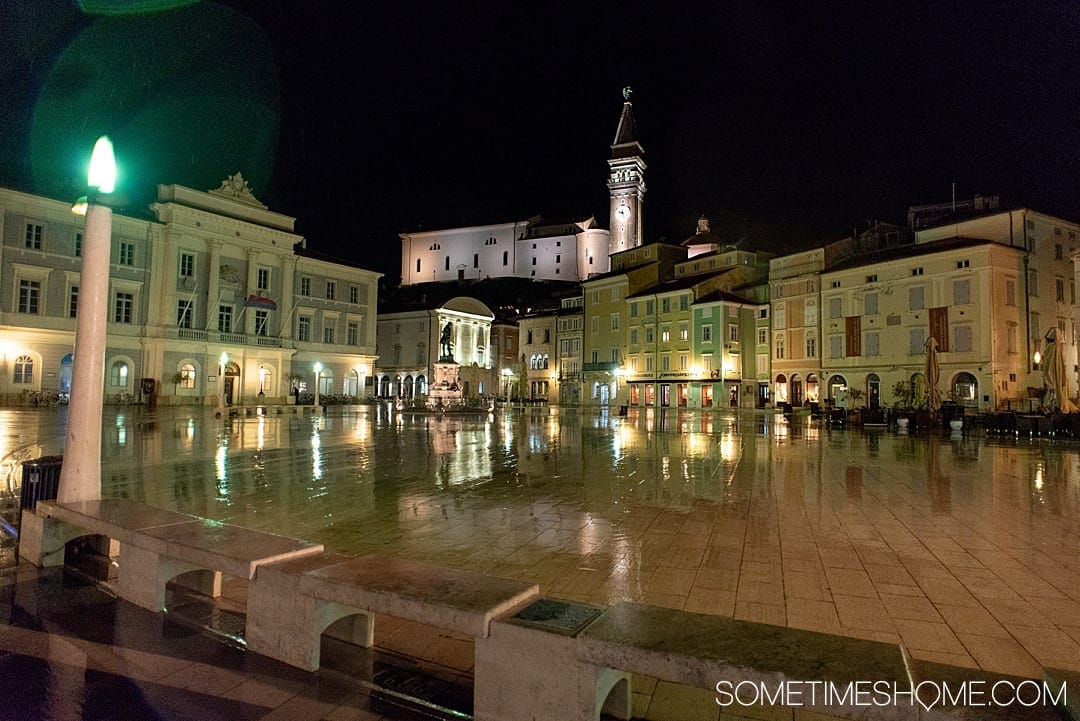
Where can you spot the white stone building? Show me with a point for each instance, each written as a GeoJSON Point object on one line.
{"type": "Point", "coordinates": [215, 273]}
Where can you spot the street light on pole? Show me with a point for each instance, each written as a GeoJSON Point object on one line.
{"type": "Point", "coordinates": [80, 474]}
{"type": "Point", "coordinates": [318, 372]}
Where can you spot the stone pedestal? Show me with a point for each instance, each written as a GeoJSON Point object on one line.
{"type": "Point", "coordinates": [445, 388]}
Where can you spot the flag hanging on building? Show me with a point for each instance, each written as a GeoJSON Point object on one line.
{"type": "Point", "coordinates": [257, 301]}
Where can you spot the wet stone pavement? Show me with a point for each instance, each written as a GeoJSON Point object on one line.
{"type": "Point", "coordinates": [961, 548]}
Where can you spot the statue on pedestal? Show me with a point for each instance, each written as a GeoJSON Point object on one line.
{"type": "Point", "coordinates": [446, 347]}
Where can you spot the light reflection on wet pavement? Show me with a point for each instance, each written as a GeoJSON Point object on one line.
{"type": "Point", "coordinates": [962, 549]}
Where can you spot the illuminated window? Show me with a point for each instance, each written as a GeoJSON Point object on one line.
{"type": "Point", "coordinates": [187, 376]}
{"type": "Point", "coordinates": [24, 370]}
{"type": "Point", "coordinates": [118, 374]}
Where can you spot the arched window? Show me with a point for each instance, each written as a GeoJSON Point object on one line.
{"type": "Point", "coordinates": [118, 374]}
{"type": "Point", "coordinates": [24, 370]}
{"type": "Point", "coordinates": [187, 376]}
{"type": "Point", "coordinates": [545, 361]}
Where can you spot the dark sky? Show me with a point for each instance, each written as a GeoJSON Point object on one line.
{"type": "Point", "coordinates": [363, 119]}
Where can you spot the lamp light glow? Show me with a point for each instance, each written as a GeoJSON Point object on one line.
{"type": "Point", "coordinates": [102, 175]}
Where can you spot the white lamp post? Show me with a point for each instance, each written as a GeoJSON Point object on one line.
{"type": "Point", "coordinates": [318, 373]}
{"type": "Point", "coordinates": [80, 475]}
{"type": "Point", "coordinates": [223, 361]}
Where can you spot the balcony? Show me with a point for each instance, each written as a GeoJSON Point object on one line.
{"type": "Point", "coordinates": [606, 366]}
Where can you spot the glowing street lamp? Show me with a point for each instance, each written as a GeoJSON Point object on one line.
{"type": "Point", "coordinates": [318, 373]}
{"type": "Point", "coordinates": [80, 474]}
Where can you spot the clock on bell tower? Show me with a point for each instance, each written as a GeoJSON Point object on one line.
{"type": "Point", "coordinates": [626, 182]}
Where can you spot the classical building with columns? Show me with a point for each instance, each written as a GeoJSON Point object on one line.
{"type": "Point", "coordinates": [215, 298]}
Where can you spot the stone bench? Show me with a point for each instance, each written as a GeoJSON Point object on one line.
{"type": "Point", "coordinates": [156, 545]}
{"type": "Point", "coordinates": [291, 604]}
{"type": "Point", "coordinates": [580, 678]}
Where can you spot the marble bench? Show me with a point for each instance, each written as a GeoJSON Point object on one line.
{"type": "Point", "coordinates": [156, 545]}
{"type": "Point", "coordinates": [291, 604]}
{"type": "Point", "coordinates": [574, 682]}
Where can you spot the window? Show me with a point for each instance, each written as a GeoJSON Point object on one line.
{"type": "Point", "coordinates": [683, 360]}
{"type": "Point", "coordinates": [187, 265]}
{"type": "Point", "coordinates": [961, 338]}
{"type": "Point", "coordinates": [418, 265]}
{"type": "Point", "coordinates": [916, 271]}
{"type": "Point", "coordinates": [118, 374]}
{"type": "Point", "coordinates": [649, 334]}
{"type": "Point", "coordinates": [615, 294]}
{"type": "Point", "coordinates": [810, 313]}
{"type": "Point", "coordinates": [835, 308]}
{"type": "Point", "coordinates": [1010, 292]}
{"type": "Point", "coordinates": [872, 344]}
{"type": "Point", "coordinates": [331, 290]}
{"type": "Point", "coordinates": [78, 245]}
{"type": "Point", "coordinates": [633, 310]}
{"type": "Point", "coordinates": [595, 324]}
{"type": "Point", "coordinates": [916, 298]}
{"type": "Point", "coordinates": [303, 329]}
{"type": "Point", "coordinates": [614, 357]}
{"type": "Point", "coordinates": [476, 260]}
{"type": "Point", "coordinates": [126, 256]}
{"type": "Point", "coordinates": [650, 307]}
{"type": "Point", "coordinates": [224, 318]}
{"type": "Point", "coordinates": [835, 284]}
{"type": "Point", "coordinates": [1033, 320]}
{"type": "Point", "coordinates": [836, 346]}
{"type": "Point", "coordinates": [328, 334]}
{"type": "Point", "coordinates": [33, 236]}
{"type": "Point", "coordinates": [534, 260]}
{"type": "Point", "coordinates": [1012, 337]}
{"type": "Point", "coordinates": [762, 336]}
{"type": "Point", "coordinates": [706, 334]}
{"type": "Point", "coordinates": [614, 321]}
{"type": "Point", "coordinates": [779, 345]}
{"type": "Point", "coordinates": [665, 363]}
{"type": "Point", "coordinates": [354, 294]}
{"type": "Point", "coordinates": [262, 321]}
{"type": "Point", "coordinates": [963, 264]}
{"type": "Point", "coordinates": [558, 257]}
{"type": "Point", "coordinates": [1059, 290]}
{"type": "Point", "coordinates": [648, 363]}
{"type": "Point", "coordinates": [871, 278]}
{"type": "Point", "coordinates": [506, 257]}
{"type": "Point", "coordinates": [305, 284]}
{"type": "Point", "coordinates": [123, 305]}
{"type": "Point", "coordinates": [870, 306]}
{"type": "Point", "coordinates": [184, 311]}
{"type": "Point", "coordinates": [30, 296]}
{"type": "Point", "coordinates": [1033, 283]}
{"type": "Point", "coordinates": [264, 279]}
{"type": "Point", "coordinates": [187, 376]}
{"type": "Point", "coordinates": [684, 331]}
{"type": "Point", "coordinates": [352, 337]}
{"type": "Point", "coordinates": [684, 302]}
{"type": "Point", "coordinates": [73, 301]}
{"type": "Point", "coordinates": [811, 347]}
{"type": "Point", "coordinates": [24, 370]}
{"type": "Point", "coordinates": [780, 316]}
{"type": "Point", "coordinates": [633, 336]}
{"type": "Point", "coordinates": [665, 335]}
{"type": "Point", "coordinates": [733, 333]}
{"type": "Point", "coordinates": [665, 305]}
{"type": "Point", "coordinates": [916, 341]}
{"type": "Point", "coordinates": [961, 291]}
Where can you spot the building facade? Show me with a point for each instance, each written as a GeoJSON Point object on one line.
{"type": "Point", "coordinates": [204, 303]}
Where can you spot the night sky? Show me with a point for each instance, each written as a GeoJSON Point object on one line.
{"type": "Point", "coordinates": [365, 119]}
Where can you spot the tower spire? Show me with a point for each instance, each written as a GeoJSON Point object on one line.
{"type": "Point", "coordinates": [626, 181]}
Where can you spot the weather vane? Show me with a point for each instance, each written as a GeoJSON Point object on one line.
{"type": "Point", "coordinates": [626, 92]}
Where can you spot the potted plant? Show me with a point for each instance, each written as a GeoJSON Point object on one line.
{"type": "Point", "coordinates": [902, 397]}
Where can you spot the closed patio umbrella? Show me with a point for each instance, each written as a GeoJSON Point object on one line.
{"type": "Point", "coordinates": [933, 374]}
{"type": "Point", "coordinates": [1055, 378]}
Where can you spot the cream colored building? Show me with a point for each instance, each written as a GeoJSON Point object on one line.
{"type": "Point", "coordinates": [215, 276]}
{"type": "Point", "coordinates": [410, 344]}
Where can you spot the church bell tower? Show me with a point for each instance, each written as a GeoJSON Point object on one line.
{"type": "Point", "coordinates": [626, 182]}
